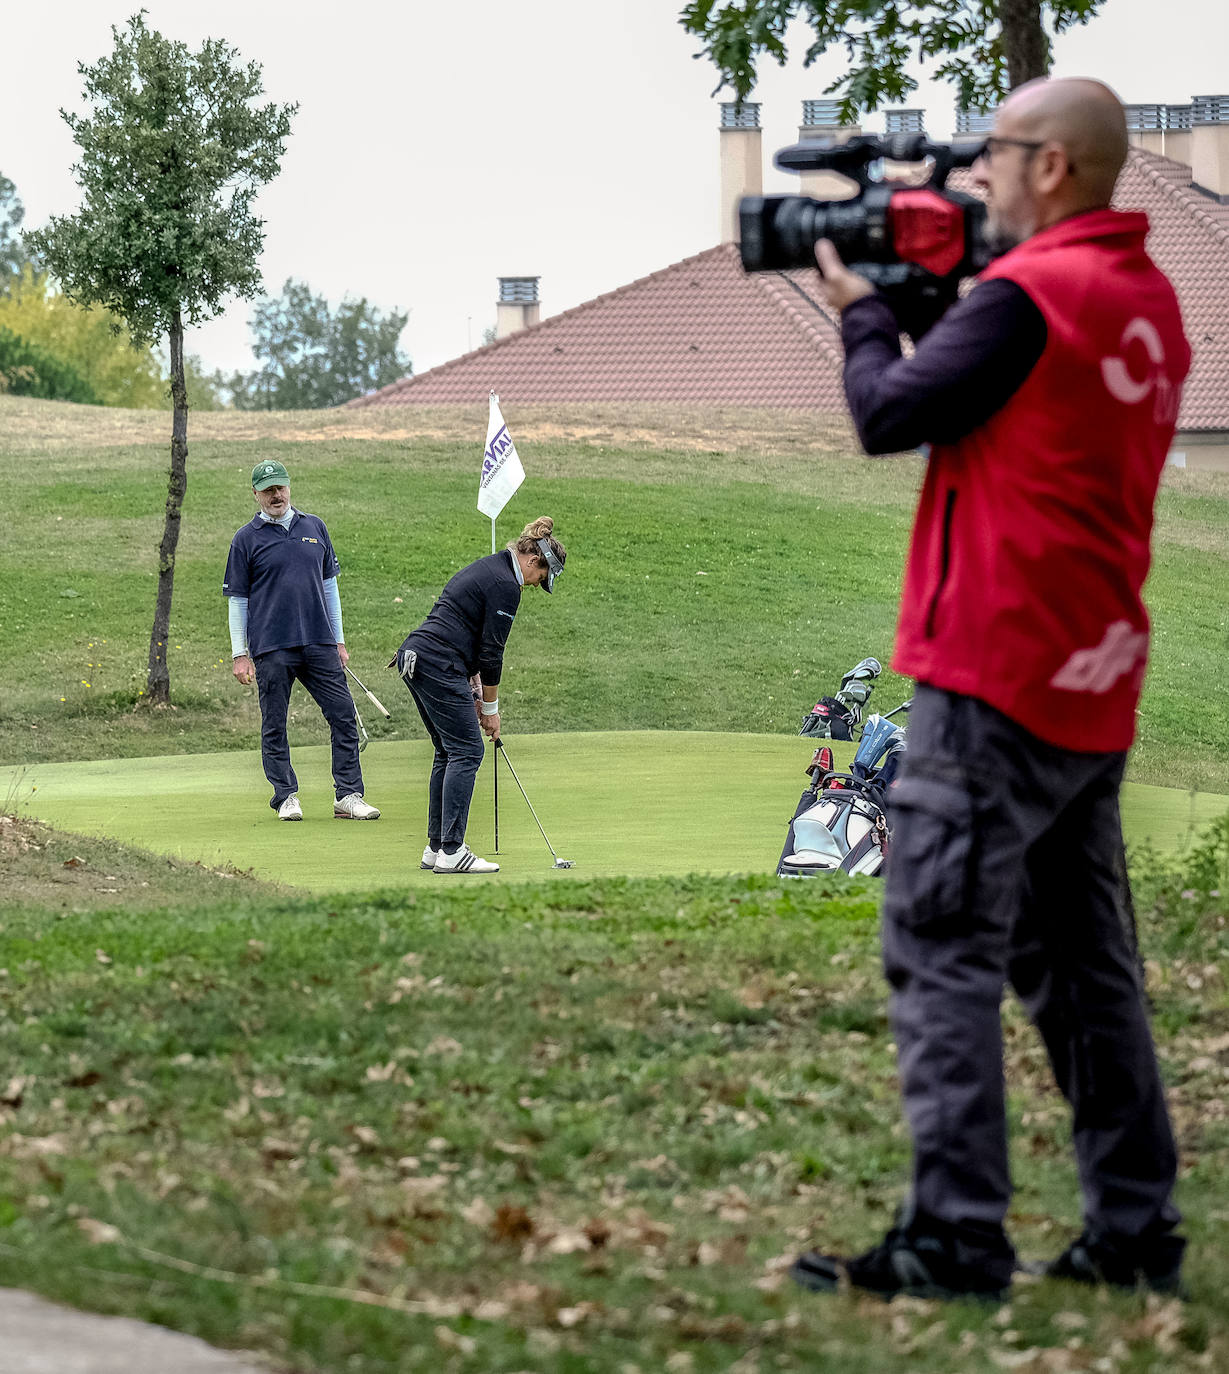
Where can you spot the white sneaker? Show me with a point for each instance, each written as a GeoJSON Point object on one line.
{"type": "Point", "coordinates": [463, 861]}
{"type": "Point", "coordinates": [428, 858]}
{"type": "Point", "coordinates": [290, 810]}
{"type": "Point", "coordinates": [354, 808]}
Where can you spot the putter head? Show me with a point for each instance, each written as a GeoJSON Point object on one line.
{"type": "Point", "coordinates": [564, 863]}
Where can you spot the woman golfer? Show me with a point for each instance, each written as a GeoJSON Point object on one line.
{"type": "Point", "coordinates": [461, 640]}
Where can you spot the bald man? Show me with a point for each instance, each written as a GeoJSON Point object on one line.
{"type": "Point", "coordinates": [1046, 401]}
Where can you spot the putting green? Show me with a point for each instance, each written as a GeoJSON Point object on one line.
{"type": "Point", "coordinates": [634, 804]}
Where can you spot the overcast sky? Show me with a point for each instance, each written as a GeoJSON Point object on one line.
{"type": "Point", "coordinates": [438, 147]}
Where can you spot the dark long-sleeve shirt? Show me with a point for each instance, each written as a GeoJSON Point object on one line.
{"type": "Point", "coordinates": [962, 371]}
{"type": "Point", "coordinates": [467, 628]}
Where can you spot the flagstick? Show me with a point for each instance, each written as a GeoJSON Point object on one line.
{"type": "Point", "coordinates": [495, 760]}
{"type": "Point", "coordinates": [492, 534]}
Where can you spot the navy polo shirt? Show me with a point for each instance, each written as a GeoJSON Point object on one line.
{"type": "Point", "coordinates": [282, 574]}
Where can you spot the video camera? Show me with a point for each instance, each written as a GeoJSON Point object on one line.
{"type": "Point", "coordinates": [914, 243]}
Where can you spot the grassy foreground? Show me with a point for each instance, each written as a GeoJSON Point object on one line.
{"type": "Point", "coordinates": [563, 1127]}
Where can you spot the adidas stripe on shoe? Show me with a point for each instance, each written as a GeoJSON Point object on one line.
{"type": "Point", "coordinates": [463, 861]}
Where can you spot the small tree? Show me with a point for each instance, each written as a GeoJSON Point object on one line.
{"type": "Point", "coordinates": [985, 47]}
{"type": "Point", "coordinates": [173, 149]}
{"type": "Point", "coordinates": [312, 357]}
{"type": "Point", "coordinates": [12, 251]}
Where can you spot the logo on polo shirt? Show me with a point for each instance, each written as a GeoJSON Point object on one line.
{"type": "Point", "coordinates": [307, 539]}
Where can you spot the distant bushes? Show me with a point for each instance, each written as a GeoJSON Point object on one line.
{"type": "Point", "coordinates": [28, 370]}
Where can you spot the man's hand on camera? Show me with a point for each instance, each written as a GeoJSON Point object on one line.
{"type": "Point", "coordinates": [840, 287]}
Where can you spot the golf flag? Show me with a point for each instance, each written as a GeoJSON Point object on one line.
{"type": "Point", "coordinates": [502, 472]}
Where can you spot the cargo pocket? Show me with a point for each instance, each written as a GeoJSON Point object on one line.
{"type": "Point", "coordinates": [931, 854]}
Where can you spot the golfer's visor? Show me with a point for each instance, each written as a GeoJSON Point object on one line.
{"type": "Point", "coordinates": [554, 564]}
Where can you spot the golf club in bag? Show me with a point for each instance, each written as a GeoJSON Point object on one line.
{"type": "Point", "coordinates": [841, 822]}
{"type": "Point", "coordinates": [500, 748]}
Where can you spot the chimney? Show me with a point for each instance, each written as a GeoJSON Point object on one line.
{"type": "Point", "coordinates": [905, 121]}
{"type": "Point", "coordinates": [1210, 145]}
{"type": "Point", "coordinates": [1178, 132]}
{"type": "Point", "coordinates": [517, 307]}
{"type": "Point", "coordinates": [742, 162]}
{"type": "Point", "coordinates": [821, 119]}
{"type": "Point", "coordinates": [1146, 127]}
{"type": "Point", "coordinates": [973, 126]}
{"type": "Point", "coordinates": [1161, 129]}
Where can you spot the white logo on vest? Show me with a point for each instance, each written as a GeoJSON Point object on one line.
{"type": "Point", "coordinates": [1130, 391]}
{"type": "Point", "coordinates": [1122, 650]}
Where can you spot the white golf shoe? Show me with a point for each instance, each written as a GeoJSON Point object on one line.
{"type": "Point", "coordinates": [463, 861]}
{"type": "Point", "coordinates": [428, 858]}
{"type": "Point", "coordinates": [354, 808]}
{"type": "Point", "coordinates": [290, 810]}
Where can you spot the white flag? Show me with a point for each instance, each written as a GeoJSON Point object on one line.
{"type": "Point", "coordinates": [502, 472]}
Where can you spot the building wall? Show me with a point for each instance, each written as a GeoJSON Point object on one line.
{"type": "Point", "coordinates": [1205, 451]}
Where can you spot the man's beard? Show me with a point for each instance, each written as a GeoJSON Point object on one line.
{"type": "Point", "coordinates": [1000, 239]}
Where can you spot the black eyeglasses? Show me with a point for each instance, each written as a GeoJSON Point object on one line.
{"type": "Point", "coordinates": [988, 148]}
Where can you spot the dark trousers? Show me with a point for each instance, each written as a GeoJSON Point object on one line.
{"type": "Point", "coordinates": [319, 669]}
{"type": "Point", "coordinates": [446, 705]}
{"type": "Point", "coordinates": [1006, 867]}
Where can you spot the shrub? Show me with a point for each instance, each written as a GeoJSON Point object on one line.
{"type": "Point", "coordinates": [28, 370]}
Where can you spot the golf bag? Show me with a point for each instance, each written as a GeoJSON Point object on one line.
{"type": "Point", "coordinates": [841, 821]}
{"type": "Point", "coordinates": [837, 717]}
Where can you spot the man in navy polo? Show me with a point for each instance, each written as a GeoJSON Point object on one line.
{"type": "Point", "coordinates": [285, 625]}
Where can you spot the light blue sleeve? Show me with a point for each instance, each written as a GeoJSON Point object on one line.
{"type": "Point", "coordinates": [332, 604]}
{"type": "Point", "coordinates": [238, 625]}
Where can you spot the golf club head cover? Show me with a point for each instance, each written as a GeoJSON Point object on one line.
{"type": "Point", "coordinates": [857, 686]}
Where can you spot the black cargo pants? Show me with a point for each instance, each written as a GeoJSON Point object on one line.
{"type": "Point", "coordinates": [1006, 867]}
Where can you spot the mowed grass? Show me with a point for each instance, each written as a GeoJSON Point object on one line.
{"type": "Point", "coordinates": [716, 583]}
{"type": "Point", "coordinates": [631, 803]}
{"type": "Point", "coordinates": [554, 1127]}
{"type": "Point", "coordinates": [576, 1124]}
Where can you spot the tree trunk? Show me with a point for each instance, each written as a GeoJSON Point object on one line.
{"type": "Point", "coordinates": [158, 685]}
{"type": "Point", "coordinates": [1026, 49]}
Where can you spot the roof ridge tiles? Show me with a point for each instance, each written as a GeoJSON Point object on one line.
{"type": "Point", "coordinates": [809, 329]}
{"type": "Point", "coordinates": [1188, 199]}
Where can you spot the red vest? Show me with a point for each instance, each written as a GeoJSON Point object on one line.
{"type": "Point", "coordinates": [1031, 541]}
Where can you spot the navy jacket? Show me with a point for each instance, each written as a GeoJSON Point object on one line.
{"type": "Point", "coordinates": [469, 624]}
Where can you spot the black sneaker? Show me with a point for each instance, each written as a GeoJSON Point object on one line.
{"type": "Point", "coordinates": [915, 1263]}
{"type": "Point", "coordinates": [1153, 1263]}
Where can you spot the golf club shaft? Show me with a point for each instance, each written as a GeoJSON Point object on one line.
{"type": "Point", "coordinates": [371, 696]}
{"type": "Point", "coordinates": [499, 745]}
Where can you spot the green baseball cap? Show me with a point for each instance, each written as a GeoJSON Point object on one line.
{"type": "Point", "coordinates": [269, 474]}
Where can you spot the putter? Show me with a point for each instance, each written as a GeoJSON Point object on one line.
{"type": "Point", "coordinates": [371, 696]}
{"type": "Point", "coordinates": [559, 863]}
{"type": "Point", "coordinates": [495, 761]}
{"type": "Point", "coordinates": [364, 739]}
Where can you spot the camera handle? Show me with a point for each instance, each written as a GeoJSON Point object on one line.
{"type": "Point", "coordinates": [853, 158]}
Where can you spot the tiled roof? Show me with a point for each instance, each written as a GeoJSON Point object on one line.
{"type": "Point", "coordinates": [1190, 242]}
{"type": "Point", "coordinates": [701, 331]}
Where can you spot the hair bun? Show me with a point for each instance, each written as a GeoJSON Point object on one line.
{"type": "Point", "coordinates": [540, 528]}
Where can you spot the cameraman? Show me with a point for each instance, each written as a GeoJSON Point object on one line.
{"type": "Point", "coordinates": [1048, 398]}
